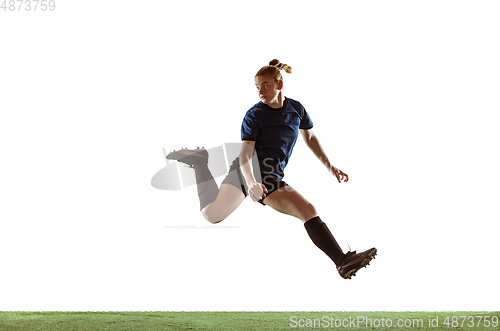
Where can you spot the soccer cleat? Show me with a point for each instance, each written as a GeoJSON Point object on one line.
{"type": "Point", "coordinates": [353, 262]}
{"type": "Point", "coordinates": [189, 156]}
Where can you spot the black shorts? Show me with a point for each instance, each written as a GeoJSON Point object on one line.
{"type": "Point", "coordinates": [235, 178]}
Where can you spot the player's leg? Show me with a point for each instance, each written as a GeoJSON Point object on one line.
{"type": "Point", "coordinates": [215, 204]}
{"type": "Point", "coordinates": [229, 198]}
{"type": "Point", "coordinates": [205, 183]}
{"type": "Point", "coordinates": [232, 192]}
{"type": "Point", "coordinates": [288, 201]}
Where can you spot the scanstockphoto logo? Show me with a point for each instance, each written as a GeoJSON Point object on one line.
{"type": "Point", "coordinates": [355, 322]}
{"type": "Point", "coordinates": [177, 176]}
{"type": "Point", "coordinates": [436, 322]}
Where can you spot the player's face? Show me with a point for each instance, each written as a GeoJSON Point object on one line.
{"type": "Point", "coordinates": [268, 89]}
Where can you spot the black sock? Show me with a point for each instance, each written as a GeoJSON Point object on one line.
{"type": "Point", "coordinates": [207, 187]}
{"type": "Point", "coordinates": [323, 238]}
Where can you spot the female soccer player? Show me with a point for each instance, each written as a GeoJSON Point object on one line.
{"type": "Point", "coordinates": [270, 129]}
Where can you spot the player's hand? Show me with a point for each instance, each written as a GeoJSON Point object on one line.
{"type": "Point", "coordinates": [257, 191]}
{"type": "Point", "coordinates": [341, 176]}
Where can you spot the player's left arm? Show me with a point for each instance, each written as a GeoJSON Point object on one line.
{"type": "Point", "coordinates": [312, 142]}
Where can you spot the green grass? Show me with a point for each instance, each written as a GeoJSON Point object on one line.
{"type": "Point", "coordinates": [235, 321]}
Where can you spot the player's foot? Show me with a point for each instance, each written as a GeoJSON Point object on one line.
{"type": "Point", "coordinates": [353, 262]}
{"type": "Point", "coordinates": [189, 156]}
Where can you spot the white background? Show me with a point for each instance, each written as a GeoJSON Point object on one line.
{"type": "Point", "coordinates": [404, 96]}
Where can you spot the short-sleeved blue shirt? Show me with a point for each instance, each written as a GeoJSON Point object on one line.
{"type": "Point", "coordinates": [275, 132]}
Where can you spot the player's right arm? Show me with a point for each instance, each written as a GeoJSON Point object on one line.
{"type": "Point", "coordinates": [256, 191]}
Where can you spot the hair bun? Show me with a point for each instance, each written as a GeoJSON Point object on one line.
{"type": "Point", "coordinates": [274, 63]}
{"type": "Point", "coordinates": [281, 66]}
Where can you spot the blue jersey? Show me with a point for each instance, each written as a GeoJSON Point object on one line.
{"type": "Point", "coordinates": [275, 132]}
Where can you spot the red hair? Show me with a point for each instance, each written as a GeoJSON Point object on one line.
{"type": "Point", "coordinates": [273, 70]}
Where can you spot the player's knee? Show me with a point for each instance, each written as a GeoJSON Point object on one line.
{"type": "Point", "coordinates": [312, 209]}
{"type": "Point", "coordinates": [309, 212]}
{"type": "Point", "coordinates": [212, 215]}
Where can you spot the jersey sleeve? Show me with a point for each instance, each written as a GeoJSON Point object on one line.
{"type": "Point", "coordinates": [306, 122]}
{"type": "Point", "coordinates": [249, 128]}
